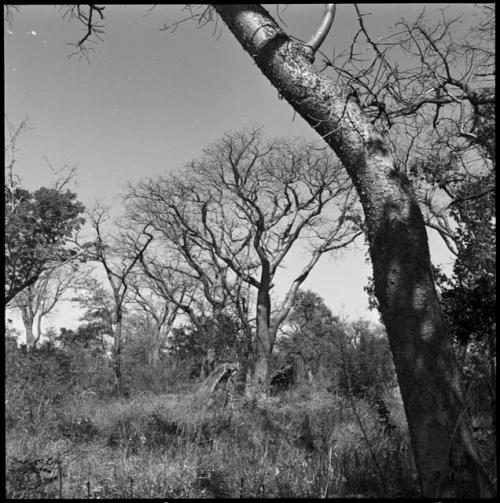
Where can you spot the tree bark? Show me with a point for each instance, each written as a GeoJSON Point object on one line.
{"type": "Point", "coordinates": [264, 333]}
{"type": "Point", "coordinates": [430, 382]}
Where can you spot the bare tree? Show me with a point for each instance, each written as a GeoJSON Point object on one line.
{"type": "Point", "coordinates": [239, 210]}
{"type": "Point", "coordinates": [11, 149]}
{"type": "Point", "coordinates": [431, 86]}
{"type": "Point", "coordinates": [9, 11]}
{"type": "Point", "coordinates": [118, 267]}
{"type": "Point", "coordinates": [196, 289]}
{"type": "Point", "coordinates": [159, 300]}
{"type": "Point", "coordinates": [40, 298]}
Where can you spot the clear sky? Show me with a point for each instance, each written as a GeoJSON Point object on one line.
{"type": "Point", "coordinates": [150, 100]}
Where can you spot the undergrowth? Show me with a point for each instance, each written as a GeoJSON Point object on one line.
{"type": "Point", "coordinates": [306, 442]}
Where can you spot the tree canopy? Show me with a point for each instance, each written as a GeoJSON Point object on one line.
{"type": "Point", "coordinates": [37, 228]}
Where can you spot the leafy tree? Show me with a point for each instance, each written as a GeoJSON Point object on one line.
{"type": "Point", "coordinates": [367, 367]}
{"type": "Point", "coordinates": [310, 336]}
{"type": "Point", "coordinates": [355, 351]}
{"type": "Point", "coordinates": [88, 336]}
{"type": "Point", "coordinates": [86, 348]}
{"type": "Point", "coordinates": [223, 336]}
{"type": "Point", "coordinates": [37, 227]}
{"type": "Point", "coordinates": [96, 300]}
{"type": "Point", "coordinates": [469, 298]}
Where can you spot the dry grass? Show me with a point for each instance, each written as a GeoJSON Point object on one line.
{"type": "Point", "coordinates": [161, 446]}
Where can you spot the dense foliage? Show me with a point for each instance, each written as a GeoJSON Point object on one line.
{"type": "Point", "coordinates": [311, 337]}
{"type": "Point", "coordinates": [37, 227]}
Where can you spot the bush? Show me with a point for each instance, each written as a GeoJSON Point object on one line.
{"type": "Point", "coordinates": [36, 383]}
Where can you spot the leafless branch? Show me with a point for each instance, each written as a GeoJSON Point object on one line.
{"type": "Point", "coordinates": [205, 15]}
{"type": "Point", "coordinates": [91, 17]}
{"type": "Point", "coordinates": [318, 38]}
{"type": "Point", "coordinates": [9, 11]}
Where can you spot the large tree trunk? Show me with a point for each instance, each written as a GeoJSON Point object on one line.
{"type": "Point", "coordinates": [428, 376]}
{"type": "Point", "coordinates": [264, 335]}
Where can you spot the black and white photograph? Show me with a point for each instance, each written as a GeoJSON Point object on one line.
{"type": "Point", "coordinates": [250, 251]}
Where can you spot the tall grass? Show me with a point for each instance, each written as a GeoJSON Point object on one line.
{"type": "Point", "coordinates": [306, 442]}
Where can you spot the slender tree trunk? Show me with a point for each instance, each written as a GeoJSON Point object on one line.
{"type": "Point", "coordinates": [428, 376]}
{"type": "Point", "coordinates": [117, 354]}
{"type": "Point", "coordinates": [28, 320]}
{"type": "Point", "coordinates": [33, 330]}
{"type": "Point", "coordinates": [38, 327]}
{"type": "Point", "coordinates": [154, 354]}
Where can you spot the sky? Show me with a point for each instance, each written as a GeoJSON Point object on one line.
{"type": "Point", "coordinates": [150, 100]}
